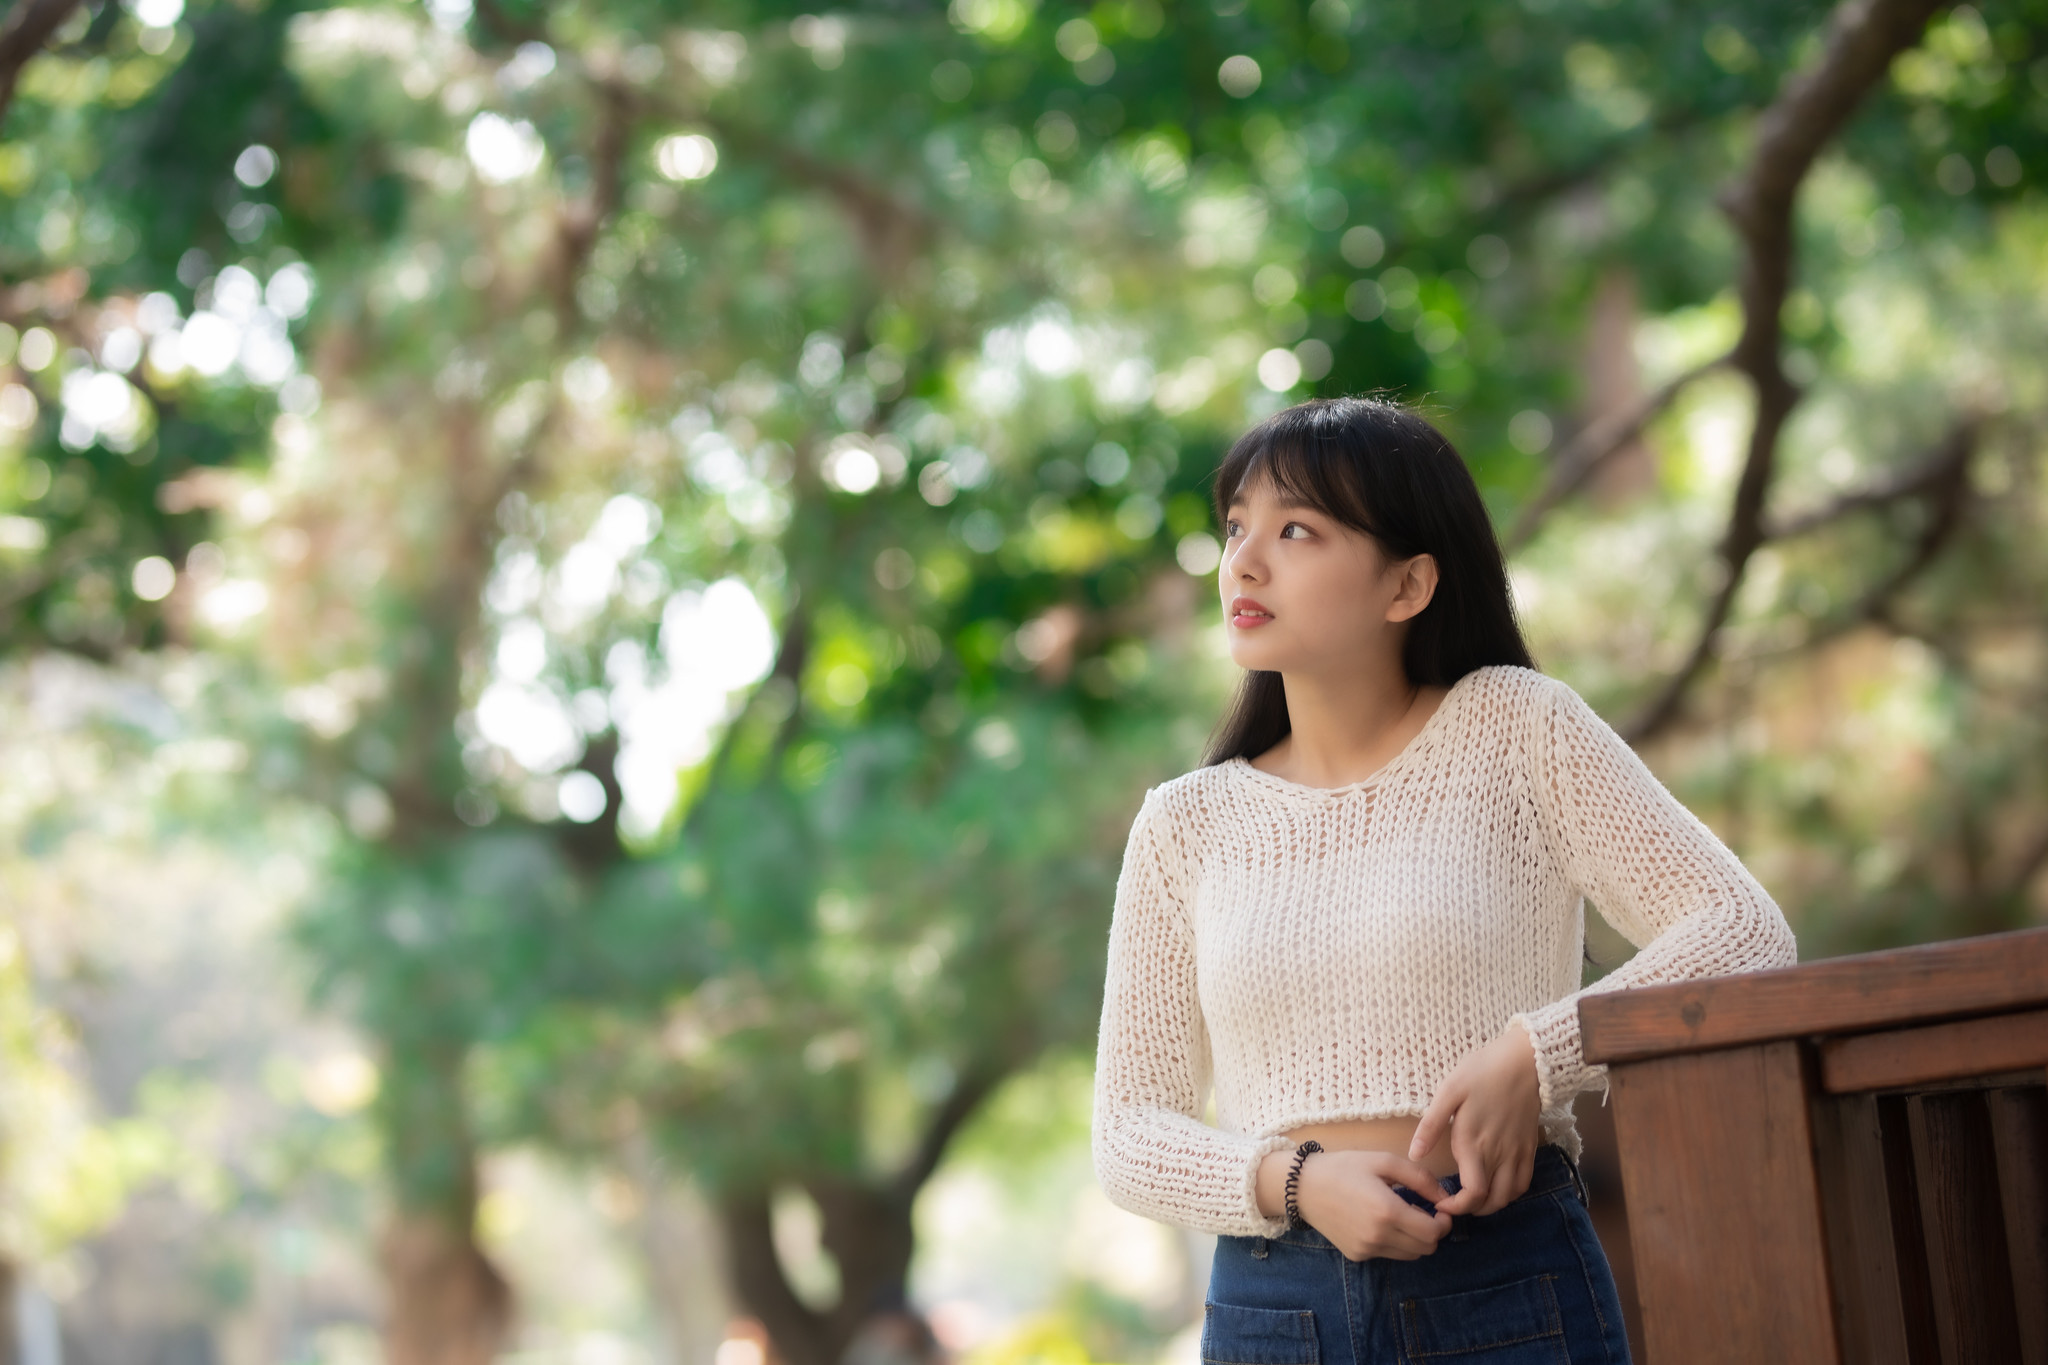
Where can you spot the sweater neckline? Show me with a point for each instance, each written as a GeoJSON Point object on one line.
{"type": "Point", "coordinates": [1408, 752]}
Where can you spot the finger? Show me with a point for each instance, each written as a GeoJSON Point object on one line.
{"type": "Point", "coordinates": [1397, 1215]}
{"type": "Point", "coordinates": [1461, 1202]}
{"type": "Point", "coordinates": [1475, 1182]}
{"type": "Point", "coordinates": [1511, 1179]}
{"type": "Point", "coordinates": [1464, 1201]}
{"type": "Point", "coordinates": [1412, 1174]}
{"type": "Point", "coordinates": [1406, 1249]}
{"type": "Point", "coordinates": [1473, 1177]}
{"type": "Point", "coordinates": [1420, 1224]}
{"type": "Point", "coordinates": [1436, 1118]}
{"type": "Point", "coordinates": [1399, 1242]}
{"type": "Point", "coordinates": [1502, 1191]}
{"type": "Point", "coordinates": [1416, 1240]}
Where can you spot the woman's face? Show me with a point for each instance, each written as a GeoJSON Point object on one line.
{"type": "Point", "coordinates": [1304, 593]}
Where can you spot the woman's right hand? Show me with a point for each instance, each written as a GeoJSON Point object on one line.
{"type": "Point", "coordinates": [1346, 1195]}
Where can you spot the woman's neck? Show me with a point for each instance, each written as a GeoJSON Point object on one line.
{"type": "Point", "coordinates": [1345, 729]}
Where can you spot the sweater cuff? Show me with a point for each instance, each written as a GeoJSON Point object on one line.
{"type": "Point", "coordinates": [1561, 1069]}
{"type": "Point", "coordinates": [1263, 1226]}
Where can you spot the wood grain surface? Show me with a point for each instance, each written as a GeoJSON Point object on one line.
{"type": "Point", "coordinates": [1973, 976]}
{"type": "Point", "coordinates": [1969, 1267]}
{"type": "Point", "coordinates": [2019, 1132]}
{"type": "Point", "coordinates": [1724, 1207]}
{"type": "Point", "coordinates": [1934, 1052]}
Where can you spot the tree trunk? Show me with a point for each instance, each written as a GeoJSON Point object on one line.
{"type": "Point", "coordinates": [1613, 384]}
{"type": "Point", "coordinates": [868, 1232]}
{"type": "Point", "coordinates": [10, 1324]}
{"type": "Point", "coordinates": [800, 1336]}
{"type": "Point", "coordinates": [448, 1305]}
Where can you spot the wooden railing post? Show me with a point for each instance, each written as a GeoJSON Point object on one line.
{"type": "Point", "coordinates": [1840, 1161]}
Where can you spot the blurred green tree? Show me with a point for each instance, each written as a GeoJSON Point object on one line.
{"type": "Point", "coordinates": [713, 504]}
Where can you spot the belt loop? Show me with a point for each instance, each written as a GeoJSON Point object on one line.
{"type": "Point", "coordinates": [1260, 1246]}
{"type": "Point", "coordinates": [1578, 1181]}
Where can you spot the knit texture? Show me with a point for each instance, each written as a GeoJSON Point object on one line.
{"type": "Point", "coordinates": [1317, 954]}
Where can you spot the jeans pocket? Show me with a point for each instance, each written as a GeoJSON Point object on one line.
{"type": "Point", "coordinates": [1517, 1323]}
{"type": "Point", "coordinates": [1232, 1335]}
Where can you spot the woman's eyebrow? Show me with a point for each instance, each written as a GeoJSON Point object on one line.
{"type": "Point", "coordinates": [1283, 504]}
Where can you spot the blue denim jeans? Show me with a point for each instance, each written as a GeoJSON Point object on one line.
{"type": "Point", "coordinates": [1524, 1285]}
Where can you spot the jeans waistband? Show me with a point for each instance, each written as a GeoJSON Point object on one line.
{"type": "Point", "coordinates": [1553, 1171]}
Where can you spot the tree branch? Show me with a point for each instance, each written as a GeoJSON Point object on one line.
{"type": "Point", "coordinates": [891, 232]}
{"type": "Point", "coordinates": [968, 1092]}
{"type": "Point", "coordinates": [491, 17]}
{"type": "Point", "coordinates": [1944, 481]}
{"type": "Point", "coordinates": [27, 28]}
{"type": "Point", "coordinates": [1921, 478]}
{"type": "Point", "coordinates": [1593, 447]}
{"type": "Point", "coordinates": [1948, 498]}
{"type": "Point", "coordinates": [1863, 37]}
{"type": "Point", "coordinates": [1548, 184]}
{"type": "Point", "coordinates": [578, 223]}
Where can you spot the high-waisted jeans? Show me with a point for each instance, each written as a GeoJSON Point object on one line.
{"type": "Point", "coordinates": [1524, 1285]}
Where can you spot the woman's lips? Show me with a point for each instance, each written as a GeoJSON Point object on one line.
{"type": "Point", "coordinates": [1248, 615]}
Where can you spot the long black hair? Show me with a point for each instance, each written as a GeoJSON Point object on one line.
{"type": "Point", "coordinates": [1381, 468]}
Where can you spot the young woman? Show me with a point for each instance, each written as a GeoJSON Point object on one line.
{"type": "Point", "coordinates": [1361, 921]}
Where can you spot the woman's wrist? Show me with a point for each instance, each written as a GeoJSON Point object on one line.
{"type": "Point", "coordinates": [1270, 1185]}
{"type": "Point", "coordinates": [1292, 1209]}
{"type": "Point", "coordinates": [1523, 1042]}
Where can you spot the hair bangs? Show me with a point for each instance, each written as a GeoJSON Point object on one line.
{"type": "Point", "coordinates": [1307, 459]}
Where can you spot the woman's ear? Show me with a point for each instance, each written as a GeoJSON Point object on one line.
{"type": "Point", "coordinates": [1417, 587]}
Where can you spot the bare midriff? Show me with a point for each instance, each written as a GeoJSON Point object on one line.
{"type": "Point", "coordinates": [1377, 1135]}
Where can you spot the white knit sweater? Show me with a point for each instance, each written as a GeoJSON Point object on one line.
{"type": "Point", "coordinates": [1331, 953]}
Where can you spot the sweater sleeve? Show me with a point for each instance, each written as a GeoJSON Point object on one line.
{"type": "Point", "coordinates": [1153, 1153]}
{"type": "Point", "coordinates": [1649, 865]}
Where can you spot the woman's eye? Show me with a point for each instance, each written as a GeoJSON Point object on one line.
{"type": "Point", "coordinates": [1294, 526]}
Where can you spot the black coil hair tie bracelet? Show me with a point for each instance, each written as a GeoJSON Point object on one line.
{"type": "Point", "coordinates": [1301, 1154]}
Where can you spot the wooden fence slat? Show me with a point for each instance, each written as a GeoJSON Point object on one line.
{"type": "Point", "coordinates": [2019, 1131]}
{"type": "Point", "coordinates": [1909, 1238]}
{"type": "Point", "coordinates": [1727, 1144]}
{"type": "Point", "coordinates": [1869, 1312]}
{"type": "Point", "coordinates": [1935, 1052]}
{"type": "Point", "coordinates": [1957, 1168]}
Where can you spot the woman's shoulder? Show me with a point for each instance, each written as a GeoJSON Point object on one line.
{"type": "Point", "coordinates": [1506, 694]}
{"type": "Point", "coordinates": [1193, 794]}
{"type": "Point", "coordinates": [1510, 681]}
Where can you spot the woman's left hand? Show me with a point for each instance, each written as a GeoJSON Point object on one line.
{"type": "Point", "coordinates": [1493, 1097]}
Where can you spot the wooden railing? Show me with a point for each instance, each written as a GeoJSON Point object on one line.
{"type": "Point", "coordinates": [1841, 1161]}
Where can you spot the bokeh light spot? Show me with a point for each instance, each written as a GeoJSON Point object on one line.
{"type": "Point", "coordinates": [153, 578]}
{"type": "Point", "coordinates": [686, 156]}
{"type": "Point", "coordinates": [1197, 551]}
{"type": "Point", "coordinates": [1239, 76]}
{"type": "Point", "coordinates": [1279, 370]}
